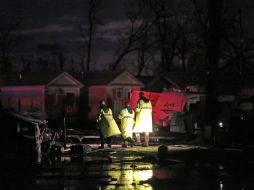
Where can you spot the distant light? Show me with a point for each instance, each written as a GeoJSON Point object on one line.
{"type": "Point", "coordinates": [221, 185]}
{"type": "Point", "coordinates": [221, 167]}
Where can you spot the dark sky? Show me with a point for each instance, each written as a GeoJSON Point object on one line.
{"type": "Point", "coordinates": [57, 21]}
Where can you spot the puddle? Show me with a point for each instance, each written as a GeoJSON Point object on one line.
{"type": "Point", "coordinates": [182, 171]}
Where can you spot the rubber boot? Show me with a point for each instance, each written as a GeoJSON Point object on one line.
{"type": "Point", "coordinates": [102, 145]}
{"type": "Point", "coordinates": [125, 145]}
{"type": "Point", "coordinates": [146, 139]}
{"type": "Point", "coordinates": [110, 141]}
{"type": "Point", "coordinates": [102, 140]}
{"type": "Point", "coordinates": [138, 143]}
{"type": "Point", "coordinates": [131, 141]}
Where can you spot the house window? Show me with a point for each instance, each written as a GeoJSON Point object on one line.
{"type": "Point", "coordinates": [118, 93]}
{"type": "Point", "coordinates": [56, 99]}
{"type": "Point", "coordinates": [70, 99]}
{"type": "Point", "coordinates": [129, 95]}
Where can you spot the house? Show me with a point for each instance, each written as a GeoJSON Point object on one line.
{"type": "Point", "coordinates": [246, 85]}
{"type": "Point", "coordinates": [179, 82]}
{"type": "Point", "coordinates": [113, 86]}
{"type": "Point", "coordinates": [56, 94]}
{"type": "Point", "coordinates": [185, 83]}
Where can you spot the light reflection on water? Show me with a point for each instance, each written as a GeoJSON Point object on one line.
{"type": "Point", "coordinates": [129, 176]}
{"type": "Point", "coordinates": [110, 173]}
{"type": "Point", "coordinates": [93, 173]}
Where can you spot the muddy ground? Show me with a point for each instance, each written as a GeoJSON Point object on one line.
{"type": "Point", "coordinates": [181, 167]}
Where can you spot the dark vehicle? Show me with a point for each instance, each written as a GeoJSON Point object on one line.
{"type": "Point", "coordinates": [22, 130]}
{"type": "Point", "coordinates": [23, 135]}
{"type": "Point", "coordinates": [241, 125]}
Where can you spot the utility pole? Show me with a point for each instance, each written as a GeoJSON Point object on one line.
{"type": "Point", "coordinates": [213, 49]}
{"type": "Point", "coordinates": [240, 43]}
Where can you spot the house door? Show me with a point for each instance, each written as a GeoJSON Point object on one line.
{"type": "Point", "coordinates": [120, 95]}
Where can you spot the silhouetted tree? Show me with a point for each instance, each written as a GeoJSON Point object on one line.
{"type": "Point", "coordinates": [141, 54]}
{"type": "Point", "coordinates": [238, 38]}
{"type": "Point", "coordinates": [27, 63]}
{"type": "Point", "coordinates": [57, 52]}
{"type": "Point", "coordinates": [237, 42]}
{"type": "Point", "coordinates": [135, 39]}
{"type": "Point", "coordinates": [9, 40]}
{"type": "Point", "coordinates": [88, 32]}
{"type": "Point", "coordinates": [167, 32]}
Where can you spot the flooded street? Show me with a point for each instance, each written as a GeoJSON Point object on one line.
{"type": "Point", "coordinates": [182, 167]}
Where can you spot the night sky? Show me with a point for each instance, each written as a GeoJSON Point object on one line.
{"type": "Point", "coordinates": [58, 21]}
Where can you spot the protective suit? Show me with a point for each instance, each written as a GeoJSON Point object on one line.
{"type": "Point", "coordinates": [107, 124]}
{"type": "Point", "coordinates": [143, 122]}
{"type": "Point", "coordinates": [127, 121]}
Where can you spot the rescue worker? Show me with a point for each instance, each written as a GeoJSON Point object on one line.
{"type": "Point", "coordinates": [107, 126]}
{"type": "Point", "coordinates": [126, 117]}
{"type": "Point", "coordinates": [143, 123]}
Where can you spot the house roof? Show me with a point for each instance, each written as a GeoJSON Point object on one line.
{"type": "Point", "coordinates": [145, 79]}
{"type": "Point", "coordinates": [183, 79]}
{"type": "Point", "coordinates": [104, 77]}
{"type": "Point", "coordinates": [232, 83]}
{"type": "Point", "coordinates": [32, 78]}
{"type": "Point", "coordinates": [226, 83]}
{"type": "Point", "coordinates": [177, 80]}
{"type": "Point", "coordinates": [98, 77]}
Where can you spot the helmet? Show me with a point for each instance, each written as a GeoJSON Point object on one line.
{"type": "Point", "coordinates": [141, 94]}
{"type": "Point", "coordinates": [102, 103]}
{"type": "Point", "coordinates": [127, 104]}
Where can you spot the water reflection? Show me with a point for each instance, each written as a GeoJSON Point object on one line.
{"type": "Point", "coordinates": [92, 173]}
{"type": "Point", "coordinates": [130, 172]}
{"type": "Point", "coordinates": [129, 176]}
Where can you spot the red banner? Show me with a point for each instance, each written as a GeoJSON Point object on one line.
{"type": "Point", "coordinates": [164, 104]}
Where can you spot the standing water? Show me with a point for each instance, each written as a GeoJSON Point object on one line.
{"type": "Point", "coordinates": [209, 169]}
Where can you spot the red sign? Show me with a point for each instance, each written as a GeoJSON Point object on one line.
{"type": "Point", "coordinates": [164, 104]}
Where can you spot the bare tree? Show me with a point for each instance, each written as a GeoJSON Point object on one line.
{"type": "Point", "coordinates": [198, 58]}
{"type": "Point", "coordinates": [201, 16]}
{"type": "Point", "coordinates": [145, 45]}
{"type": "Point", "coordinates": [156, 29]}
{"type": "Point", "coordinates": [27, 63]}
{"type": "Point", "coordinates": [167, 32]}
{"type": "Point", "coordinates": [141, 55]}
{"type": "Point", "coordinates": [182, 49]}
{"type": "Point", "coordinates": [185, 46]}
{"type": "Point", "coordinates": [57, 52]}
{"type": "Point", "coordinates": [9, 40]}
{"type": "Point", "coordinates": [238, 39]}
{"type": "Point", "coordinates": [88, 33]}
{"type": "Point", "coordinates": [135, 39]}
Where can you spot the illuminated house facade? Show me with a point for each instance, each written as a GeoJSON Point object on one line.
{"type": "Point", "coordinates": [114, 87]}
{"type": "Point", "coordinates": [53, 93]}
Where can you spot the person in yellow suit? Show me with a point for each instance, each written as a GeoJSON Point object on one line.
{"type": "Point", "coordinates": [126, 117]}
{"type": "Point", "coordinates": [107, 126]}
{"type": "Point", "coordinates": [143, 123]}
